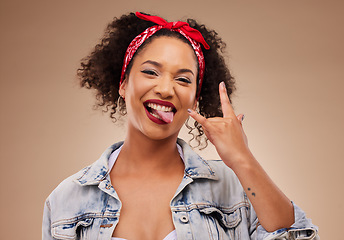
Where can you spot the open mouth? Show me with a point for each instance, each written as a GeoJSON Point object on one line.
{"type": "Point", "coordinates": [160, 112]}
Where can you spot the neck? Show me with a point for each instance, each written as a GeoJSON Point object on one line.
{"type": "Point", "coordinates": [142, 153]}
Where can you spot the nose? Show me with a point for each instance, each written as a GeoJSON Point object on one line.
{"type": "Point", "coordinates": [165, 87]}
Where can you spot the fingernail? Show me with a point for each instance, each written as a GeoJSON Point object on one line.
{"type": "Point", "coordinates": [242, 118]}
{"type": "Point", "coordinates": [189, 110]}
{"type": "Point", "coordinates": [223, 85]}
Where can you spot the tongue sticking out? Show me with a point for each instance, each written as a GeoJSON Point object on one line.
{"type": "Point", "coordinates": [165, 116]}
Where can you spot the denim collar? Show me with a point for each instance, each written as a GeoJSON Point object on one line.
{"type": "Point", "coordinates": [195, 166]}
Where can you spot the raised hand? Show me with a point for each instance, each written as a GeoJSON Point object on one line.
{"type": "Point", "coordinates": [225, 133]}
{"type": "Point", "coordinates": [273, 208]}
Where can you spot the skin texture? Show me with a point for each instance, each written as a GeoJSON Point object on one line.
{"type": "Point", "coordinates": [273, 208]}
{"type": "Point", "coordinates": [101, 70]}
{"type": "Point", "coordinates": [142, 170]}
{"type": "Point", "coordinates": [149, 167]}
{"type": "Point", "coordinates": [157, 74]}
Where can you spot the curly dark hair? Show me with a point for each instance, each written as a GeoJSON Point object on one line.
{"type": "Point", "coordinates": [101, 70]}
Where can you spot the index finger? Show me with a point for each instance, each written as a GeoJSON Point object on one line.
{"type": "Point", "coordinates": [199, 118]}
{"type": "Point", "coordinates": [226, 105]}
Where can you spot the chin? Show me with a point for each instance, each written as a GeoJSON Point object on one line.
{"type": "Point", "coordinates": [154, 131]}
{"type": "Point", "coordinates": [162, 132]}
{"type": "Point", "coordinates": [160, 135]}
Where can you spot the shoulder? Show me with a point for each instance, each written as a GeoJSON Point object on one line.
{"type": "Point", "coordinates": [73, 199]}
{"type": "Point", "coordinates": [226, 178]}
{"type": "Point", "coordinates": [215, 171]}
{"type": "Point", "coordinates": [221, 169]}
{"type": "Point", "coordinates": [80, 186]}
{"type": "Point", "coordinates": [67, 188]}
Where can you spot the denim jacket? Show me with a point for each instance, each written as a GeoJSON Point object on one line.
{"type": "Point", "coordinates": [209, 204]}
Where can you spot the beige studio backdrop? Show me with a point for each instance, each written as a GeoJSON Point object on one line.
{"type": "Point", "coordinates": [287, 58]}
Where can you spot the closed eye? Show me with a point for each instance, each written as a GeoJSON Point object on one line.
{"type": "Point", "coordinates": [183, 79]}
{"type": "Point", "coordinates": [150, 72]}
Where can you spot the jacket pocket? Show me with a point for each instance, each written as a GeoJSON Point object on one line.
{"type": "Point", "coordinates": [222, 224]}
{"type": "Point", "coordinates": [71, 229]}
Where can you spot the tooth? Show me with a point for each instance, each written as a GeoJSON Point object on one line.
{"type": "Point", "coordinates": [156, 115]}
{"type": "Point", "coordinates": [159, 107]}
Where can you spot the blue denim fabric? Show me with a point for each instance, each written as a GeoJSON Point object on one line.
{"type": "Point", "coordinates": [209, 204]}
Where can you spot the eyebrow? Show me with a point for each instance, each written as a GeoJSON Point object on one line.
{"type": "Point", "coordinates": [183, 70]}
{"type": "Point", "coordinates": [153, 63]}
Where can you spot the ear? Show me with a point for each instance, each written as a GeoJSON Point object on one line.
{"type": "Point", "coordinates": [122, 88]}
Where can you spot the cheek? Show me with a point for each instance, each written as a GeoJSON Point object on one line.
{"type": "Point", "coordinates": [191, 100]}
{"type": "Point", "coordinates": [192, 94]}
{"type": "Point", "coordinates": [188, 98]}
{"type": "Point", "coordinates": [137, 87]}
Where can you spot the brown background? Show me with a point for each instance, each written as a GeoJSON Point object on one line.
{"type": "Point", "coordinates": [287, 57]}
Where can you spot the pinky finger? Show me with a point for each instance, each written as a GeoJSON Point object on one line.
{"type": "Point", "coordinates": [241, 117]}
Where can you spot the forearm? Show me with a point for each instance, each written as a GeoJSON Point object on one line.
{"type": "Point", "coordinates": [274, 210]}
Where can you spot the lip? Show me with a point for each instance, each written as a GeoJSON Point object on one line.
{"type": "Point", "coordinates": [162, 103]}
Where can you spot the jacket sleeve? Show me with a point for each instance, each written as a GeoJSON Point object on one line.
{"type": "Point", "coordinates": [46, 224]}
{"type": "Point", "coordinates": [302, 229]}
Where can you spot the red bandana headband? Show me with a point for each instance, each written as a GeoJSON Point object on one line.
{"type": "Point", "coordinates": [191, 34]}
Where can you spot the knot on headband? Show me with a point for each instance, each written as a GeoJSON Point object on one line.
{"type": "Point", "coordinates": [192, 35]}
{"type": "Point", "coordinates": [183, 26]}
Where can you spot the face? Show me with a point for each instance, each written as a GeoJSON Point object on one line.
{"type": "Point", "coordinates": [160, 88]}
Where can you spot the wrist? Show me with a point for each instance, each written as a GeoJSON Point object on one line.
{"type": "Point", "coordinates": [245, 160]}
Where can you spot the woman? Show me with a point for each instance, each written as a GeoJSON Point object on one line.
{"type": "Point", "coordinates": [152, 185]}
